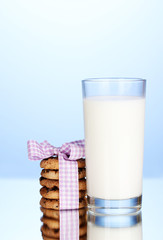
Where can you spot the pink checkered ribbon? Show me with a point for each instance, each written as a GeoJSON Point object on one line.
{"type": "Point", "coordinates": [69, 225]}
{"type": "Point", "coordinates": [68, 168]}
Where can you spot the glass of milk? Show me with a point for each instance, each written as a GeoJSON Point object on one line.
{"type": "Point", "coordinates": [114, 112]}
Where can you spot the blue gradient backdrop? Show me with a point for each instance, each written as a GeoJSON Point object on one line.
{"type": "Point", "coordinates": [48, 47]}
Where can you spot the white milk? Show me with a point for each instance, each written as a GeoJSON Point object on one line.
{"type": "Point", "coordinates": [100, 233]}
{"type": "Point", "coordinates": [114, 135]}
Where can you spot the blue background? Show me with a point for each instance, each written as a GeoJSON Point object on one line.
{"type": "Point", "coordinates": [48, 47]}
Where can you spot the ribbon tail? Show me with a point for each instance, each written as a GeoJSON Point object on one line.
{"type": "Point", "coordinates": [68, 184]}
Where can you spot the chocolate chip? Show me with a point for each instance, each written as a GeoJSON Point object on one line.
{"type": "Point", "coordinates": [52, 189]}
{"type": "Point", "coordinates": [55, 188]}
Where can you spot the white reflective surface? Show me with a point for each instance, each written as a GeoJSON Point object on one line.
{"type": "Point", "coordinates": [20, 213]}
{"type": "Point", "coordinates": [96, 232]}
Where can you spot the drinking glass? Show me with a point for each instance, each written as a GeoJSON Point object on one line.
{"type": "Point", "coordinates": [114, 111]}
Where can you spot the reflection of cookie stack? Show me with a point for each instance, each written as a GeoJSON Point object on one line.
{"type": "Point", "coordinates": [51, 224]}
{"type": "Point", "coordinates": [50, 182]}
{"type": "Point", "coordinates": [50, 197]}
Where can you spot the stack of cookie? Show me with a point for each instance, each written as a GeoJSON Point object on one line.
{"type": "Point", "coordinates": [50, 195]}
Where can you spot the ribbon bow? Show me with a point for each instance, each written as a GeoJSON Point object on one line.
{"type": "Point", "coordinates": [68, 170]}
{"type": "Point", "coordinates": [69, 151]}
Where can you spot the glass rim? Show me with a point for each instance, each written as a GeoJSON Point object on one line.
{"type": "Point", "coordinates": [113, 79]}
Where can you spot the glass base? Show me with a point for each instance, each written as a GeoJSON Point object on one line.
{"type": "Point", "coordinates": [114, 207]}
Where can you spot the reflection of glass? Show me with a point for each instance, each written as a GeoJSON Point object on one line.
{"type": "Point", "coordinates": [127, 227]}
{"type": "Point", "coordinates": [69, 225]}
{"type": "Point", "coordinates": [114, 140]}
